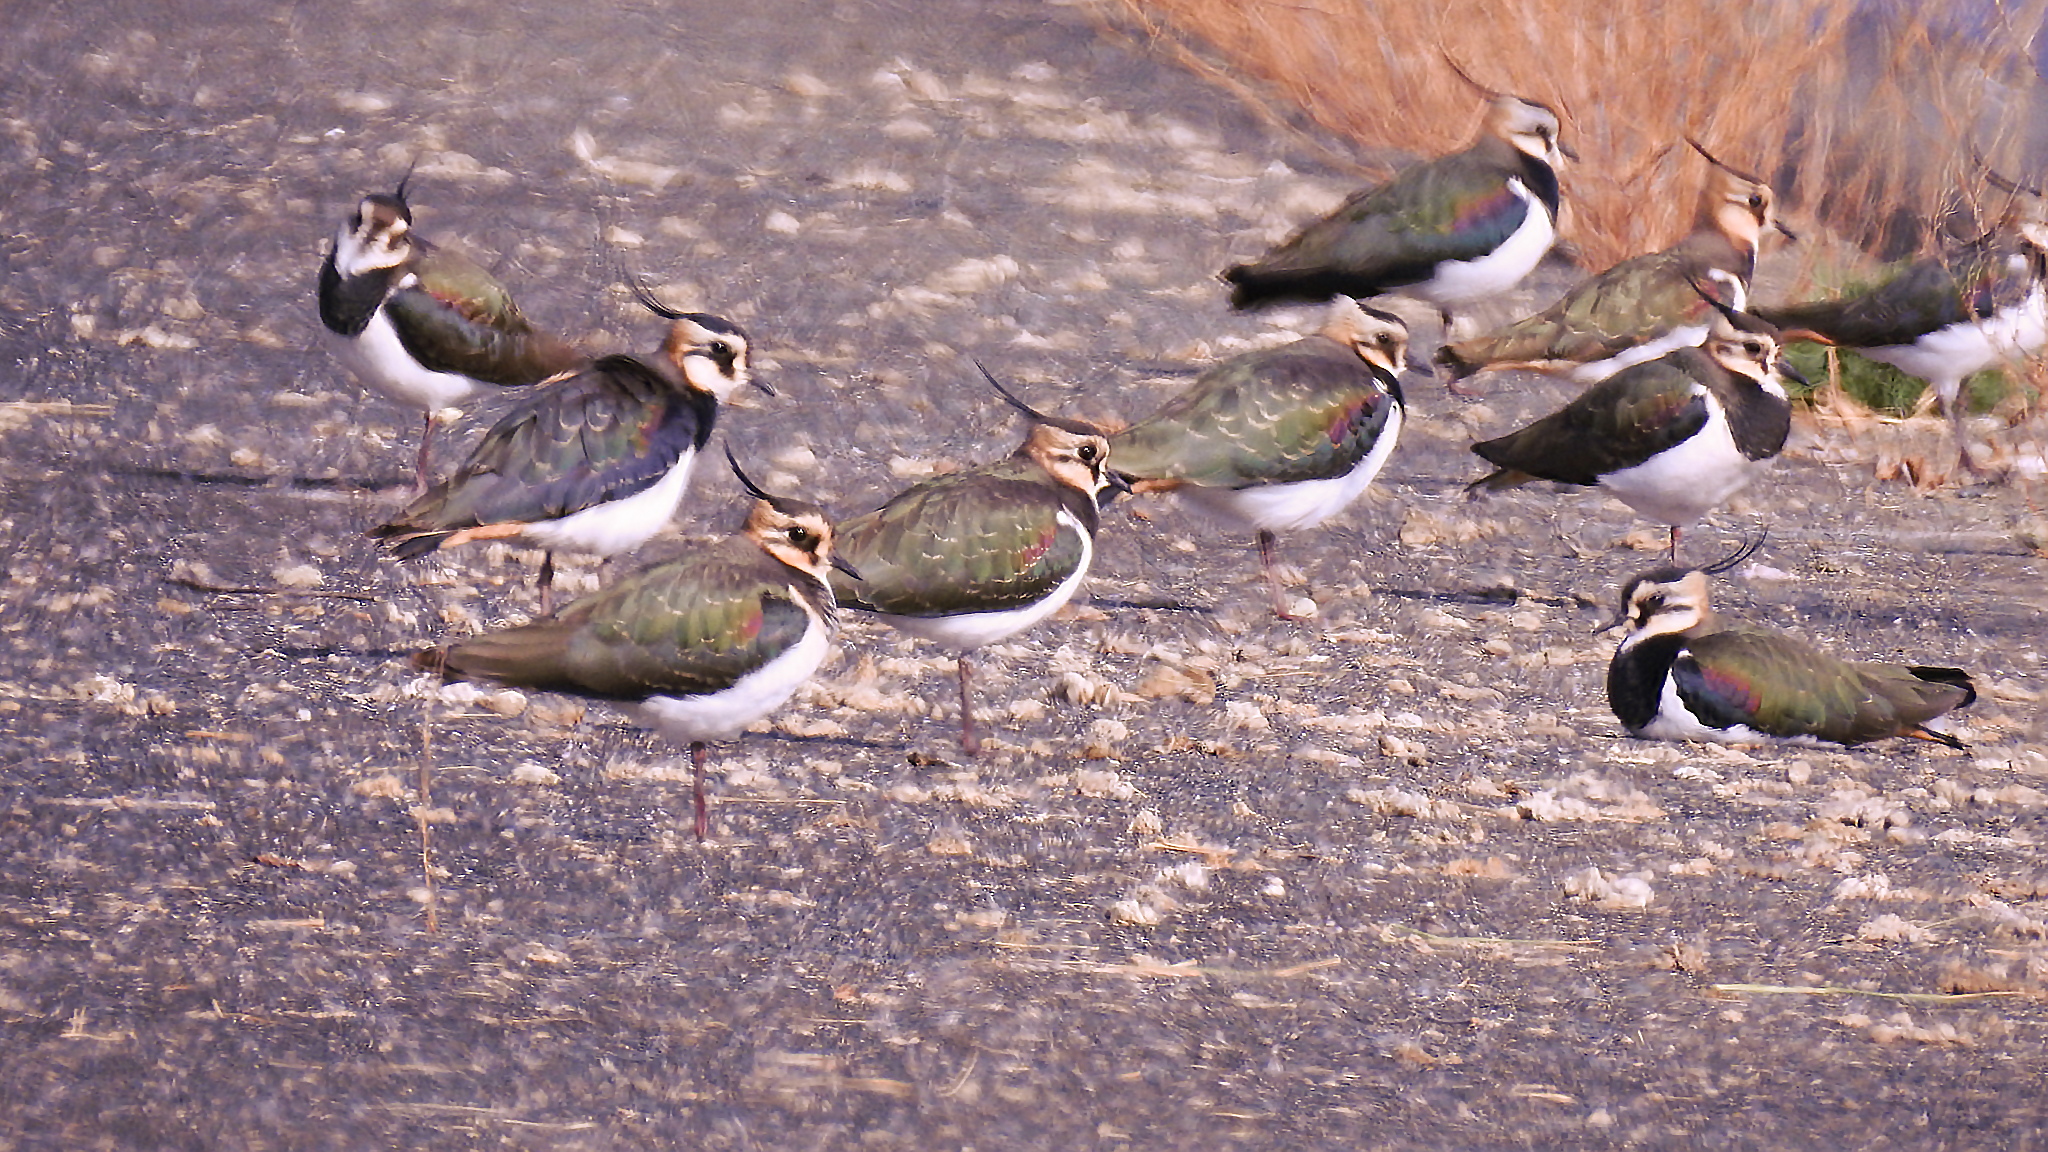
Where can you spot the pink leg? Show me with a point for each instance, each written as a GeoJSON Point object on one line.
{"type": "Point", "coordinates": [1267, 542]}
{"type": "Point", "coordinates": [969, 742]}
{"type": "Point", "coordinates": [697, 756]}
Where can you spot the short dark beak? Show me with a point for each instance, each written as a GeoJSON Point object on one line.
{"type": "Point", "coordinates": [1786, 370]}
{"type": "Point", "coordinates": [1787, 232]}
{"type": "Point", "coordinates": [763, 385]}
{"type": "Point", "coordinates": [1620, 618]}
{"type": "Point", "coordinates": [841, 564]}
{"type": "Point", "coordinates": [1570, 153]}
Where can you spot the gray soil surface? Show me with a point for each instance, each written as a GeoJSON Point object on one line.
{"type": "Point", "coordinates": [1389, 878]}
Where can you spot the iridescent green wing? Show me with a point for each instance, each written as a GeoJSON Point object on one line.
{"type": "Point", "coordinates": [458, 318]}
{"type": "Point", "coordinates": [1307, 411]}
{"type": "Point", "coordinates": [606, 433]}
{"type": "Point", "coordinates": [688, 627]}
{"type": "Point", "coordinates": [978, 541]}
{"type": "Point", "coordinates": [1783, 686]}
{"type": "Point", "coordinates": [1618, 423]}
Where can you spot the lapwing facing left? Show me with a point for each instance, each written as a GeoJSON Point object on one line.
{"type": "Point", "coordinates": [1944, 318]}
{"type": "Point", "coordinates": [1675, 678]}
{"type": "Point", "coordinates": [1281, 438]}
{"type": "Point", "coordinates": [701, 646]}
{"type": "Point", "coordinates": [1451, 231]}
{"type": "Point", "coordinates": [1673, 438]}
{"type": "Point", "coordinates": [596, 462]}
{"type": "Point", "coordinates": [971, 557]}
{"type": "Point", "coordinates": [425, 325]}
{"type": "Point", "coordinates": [1642, 307]}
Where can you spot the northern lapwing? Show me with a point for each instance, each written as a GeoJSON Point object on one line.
{"type": "Point", "coordinates": [1673, 438]}
{"type": "Point", "coordinates": [1451, 231]}
{"type": "Point", "coordinates": [425, 325]}
{"type": "Point", "coordinates": [1282, 438]}
{"type": "Point", "coordinates": [1642, 307]}
{"type": "Point", "coordinates": [1944, 318]}
{"type": "Point", "coordinates": [596, 462]}
{"type": "Point", "coordinates": [701, 646]}
{"type": "Point", "coordinates": [968, 558]}
{"type": "Point", "coordinates": [1673, 678]}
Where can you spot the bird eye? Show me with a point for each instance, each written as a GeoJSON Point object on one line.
{"type": "Point", "coordinates": [801, 536]}
{"type": "Point", "coordinates": [1087, 453]}
{"type": "Point", "coordinates": [1756, 201]}
{"type": "Point", "coordinates": [719, 349]}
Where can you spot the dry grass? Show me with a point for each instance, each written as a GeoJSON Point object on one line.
{"type": "Point", "coordinates": [1874, 148]}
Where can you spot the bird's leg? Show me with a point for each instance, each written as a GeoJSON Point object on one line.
{"type": "Point", "coordinates": [969, 742]}
{"type": "Point", "coordinates": [1267, 542]}
{"type": "Point", "coordinates": [1674, 545]}
{"type": "Point", "coordinates": [425, 461]}
{"type": "Point", "coordinates": [697, 757]}
{"type": "Point", "coordinates": [1957, 409]}
{"type": "Point", "coordinates": [546, 583]}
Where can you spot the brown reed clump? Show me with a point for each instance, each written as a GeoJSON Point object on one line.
{"type": "Point", "coordinates": [1866, 126]}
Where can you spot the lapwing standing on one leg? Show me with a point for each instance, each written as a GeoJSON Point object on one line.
{"type": "Point", "coordinates": [971, 557]}
{"type": "Point", "coordinates": [1451, 231]}
{"type": "Point", "coordinates": [1282, 438]}
{"type": "Point", "coordinates": [596, 462]}
{"type": "Point", "coordinates": [1642, 307]}
{"type": "Point", "coordinates": [1674, 679]}
{"type": "Point", "coordinates": [1944, 318]}
{"type": "Point", "coordinates": [1673, 438]}
{"type": "Point", "coordinates": [703, 645]}
{"type": "Point", "coordinates": [422, 324]}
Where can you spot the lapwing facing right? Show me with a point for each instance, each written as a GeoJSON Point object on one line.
{"type": "Point", "coordinates": [1944, 318]}
{"type": "Point", "coordinates": [596, 462]}
{"type": "Point", "coordinates": [1673, 678]}
{"type": "Point", "coordinates": [1281, 438]}
{"type": "Point", "coordinates": [425, 325]}
{"type": "Point", "coordinates": [702, 646]}
{"type": "Point", "coordinates": [971, 557]}
{"type": "Point", "coordinates": [1451, 231]}
{"type": "Point", "coordinates": [1673, 438]}
{"type": "Point", "coordinates": [1642, 307]}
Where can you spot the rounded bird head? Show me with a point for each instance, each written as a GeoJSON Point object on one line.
{"type": "Point", "coordinates": [1663, 602]}
{"type": "Point", "coordinates": [1379, 338]}
{"type": "Point", "coordinates": [1739, 205]}
{"type": "Point", "coordinates": [1075, 454]}
{"type": "Point", "coordinates": [710, 352]}
{"type": "Point", "coordinates": [377, 236]}
{"type": "Point", "coordinates": [1747, 346]}
{"type": "Point", "coordinates": [1531, 127]}
{"type": "Point", "coordinates": [793, 531]}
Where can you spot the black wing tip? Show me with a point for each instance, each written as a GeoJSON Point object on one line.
{"type": "Point", "coordinates": [1951, 677]}
{"type": "Point", "coordinates": [435, 660]}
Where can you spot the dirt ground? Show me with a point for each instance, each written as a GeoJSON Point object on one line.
{"type": "Point", "coordinates": [1391, 878]}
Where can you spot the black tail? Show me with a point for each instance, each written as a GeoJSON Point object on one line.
{"type": "Point", "coordinates": [1954, 677]}
{"type": "Point", "coordinates": [408, 547]}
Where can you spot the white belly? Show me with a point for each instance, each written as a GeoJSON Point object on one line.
{"type": "Point", "coordinates": [971, 630]}
{"type": "Point", "coordinates": [1467, 281]}
{"type": "Point", "coordinates": [380, 361]}
{"type": "Point", "coordinates": [1674, 722]}
{"type": "Point", "coordinates": [1303, 503]}
{"type": "Point", "coordinates": [1685, 483]}
{"type": "Point", "coordinates": [724, 714]}
{"type": "Point", "coordinates": [621, 525]}
{"type": "Point", "coordinates": [1945, 356]}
